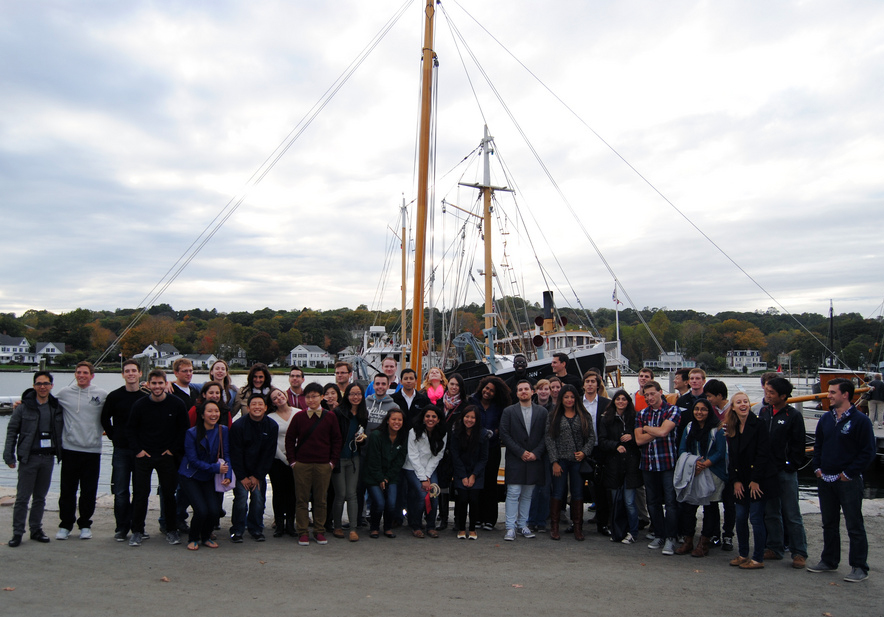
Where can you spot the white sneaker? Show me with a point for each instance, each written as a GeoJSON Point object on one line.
{"type": "Point", "coordinates": [62, 533]}
{"type": "Point", "coordinates": [86, 533]}
{"type": "Point", "coordinates": [527, 533]}
{"type": "Point", "coordinates": [628, 539]}
{"type": "Point", "coordinates": [669, 547]}
{"type": "Point", "coordinates": [656, 543]}
{"type": "Point", "coordinates": [510, 535]}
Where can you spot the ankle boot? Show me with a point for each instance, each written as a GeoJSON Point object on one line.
{"type": "Point", "coordinates": [555, 510]}
{"type": "Point", "coordinates": [290, 526]}
{"type": "Point", "coordinates": [279, 528]}
{"type": "Point", "coordinates": [687, 546]}
{"type": "Point", "coordinates": [702, 547]}
{"type": "Point", "coordinates": [577, 518]}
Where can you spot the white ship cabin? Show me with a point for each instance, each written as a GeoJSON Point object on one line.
{"type": "Point", "coordinates": [669, 361]}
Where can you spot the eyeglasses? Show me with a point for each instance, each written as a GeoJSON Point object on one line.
{"type": "Point", "coordinates": [43, 384]}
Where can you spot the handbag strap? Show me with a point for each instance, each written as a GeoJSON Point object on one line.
{"type": "Point", "coordinates": [220, 442]}
{"type": "Point", "coordinates": [306, 435]}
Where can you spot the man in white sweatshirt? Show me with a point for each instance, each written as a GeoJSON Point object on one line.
{"type": "Point", "coordinates": [81, 455]}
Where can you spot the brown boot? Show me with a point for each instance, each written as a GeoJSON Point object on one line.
{"type": "Point", "coordinates": [702, 548]}
{"type": "Point", "coordinates": [555, 511]}
{"type": "Point", "coordinates": [577, 518]}
{"type": "Point", "coordinates": [687, 547]}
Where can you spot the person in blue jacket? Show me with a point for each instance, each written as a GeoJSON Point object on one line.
{"type": "Point", "coordinates": [205, 452]}
{"type": "Point", "coordinates": [843, 450]}
{"type": "Point", "coordinates": [703, 436]}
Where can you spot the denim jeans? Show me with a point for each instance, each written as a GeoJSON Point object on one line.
{"type": "Point", "coordinates": [659, 491]}
{"type": "Point", "coordinates": [468, 498]}
{"type": "Point", "coordinates": [688, 519]}
{"type": "Point", "coordinates": [248, 508]}
{"type": "Point", "coordinates": [539, 511]}
{"type": "Point", "coordinates": [417, 508]}
{"type": "Point", "coordinates": [488, 500]}
{"type": "Point", "coordinates": [751, 512]}
{"type": "Point", "coordinates": [202, 496]}
{"type": "Point", "coordinates": [345, 490]}
{"type": "Point", "coordinates": [122, 465]}
{"type": "Point", "coordinates": [836, 497]}
{"type": "Point", "coordinates": [570, 476]}
{"type": "Point", "coordinates": [383, 502]}
{"type": "Point", "coordinates": [783, 512]}
{"type": "Point", "coordinates": [729, 508]}
{"type": "Point", "coordinates": [518, 503]}
{"type": "Point", "coordinates": [283, 481]}
{"type": "Point", "coordinates": [78, 470]}
{"type": "Point", "coordinates": [631, 508]}
{"type": "Point", "coordinates": [34, 478]}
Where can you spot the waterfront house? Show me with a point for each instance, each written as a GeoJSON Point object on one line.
{"type": "Point", "coordinates": [746, 361]}
{"type": "Point", "coordinates": [309, 356]}
{"type": "Point", "coordinates": [14, 349]}
{"type": "Point", "coordinates": [50, 351]}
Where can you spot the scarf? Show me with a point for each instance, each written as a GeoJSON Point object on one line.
{"type": "Point", "coordinates": [448, 401]}
{"type": "Point", "coordinates": [435, 393]}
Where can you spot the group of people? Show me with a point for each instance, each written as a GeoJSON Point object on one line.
{"type": "Point", "coordinates": [396, 454]}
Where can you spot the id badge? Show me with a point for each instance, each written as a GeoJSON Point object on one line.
{"type": "Point", "coordinates": [45, 440]}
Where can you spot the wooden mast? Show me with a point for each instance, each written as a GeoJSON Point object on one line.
{"type": "Point", "coordinates": [423, 182]}
{"type": "Point", "coordinates": [404, 243]}
{"type": "Point", "coordinates": [487, 191]}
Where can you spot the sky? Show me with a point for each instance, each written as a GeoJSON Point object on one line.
{"type": "Point", "coordinates": [654, 131]}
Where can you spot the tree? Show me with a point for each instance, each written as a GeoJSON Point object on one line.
{"type": "Point", "coordinates": [9, 325]}
{"type": "Point", "coordinates": [289, 340]}
{"type": "Point", "coordinates": [262, 348]}
{"type": "Point", "coordinates": [151, 330]}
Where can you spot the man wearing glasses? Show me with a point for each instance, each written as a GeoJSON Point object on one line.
{"type": "Point", "coordinates": [35, 429]}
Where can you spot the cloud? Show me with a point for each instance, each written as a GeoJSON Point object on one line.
{"type": "Point", "coordinates": [126, 128]}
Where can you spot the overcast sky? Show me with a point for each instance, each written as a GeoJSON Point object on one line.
{"type": "Point", "coordinates": [126, 127]}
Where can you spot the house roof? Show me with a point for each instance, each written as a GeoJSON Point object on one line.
{"type": "Point", "coordinates": [13, 340]}
{"type": "Point", "coordinates": [311, 348]}
{"type": "Point", "coordinates": [169, 347]}
{"type": "Point", "coordinates": [58, 346]}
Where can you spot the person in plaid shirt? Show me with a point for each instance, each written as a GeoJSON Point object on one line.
{"type": "Point", "coordinates": [655, 434]}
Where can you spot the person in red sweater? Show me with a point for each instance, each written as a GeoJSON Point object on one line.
{"type": "Point", "coordinates": [313, 449]}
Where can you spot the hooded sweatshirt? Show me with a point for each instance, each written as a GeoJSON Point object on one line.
{"type": "Point", "coordinates": [82, 417]}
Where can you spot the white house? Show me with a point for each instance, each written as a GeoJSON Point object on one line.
{"type": "Point", "coordinates": [669, 361]}
{"type": "Point", "coordinates": [159, 354]}
{"type": "Point", "coordinates": [50, 351]}
{"type": "Point", "coordinates": [750, 359]}
{"type": "Point", "coordinates": [201, 360]}
{"type": "Point", "coordinates": [166, 361]}
{"type": "Point", "coordinates": [309, 356]}
{"type": "Point", "coordinates": [14, 349]}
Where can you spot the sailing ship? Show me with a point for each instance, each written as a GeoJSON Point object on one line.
{"type": "Point", "coordinates": [585, 350]}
